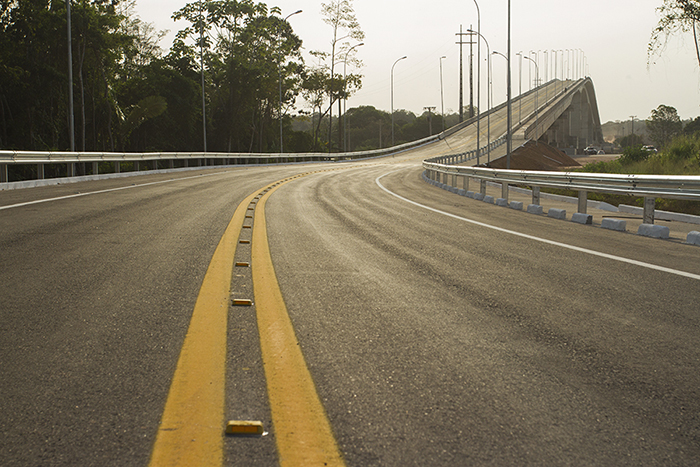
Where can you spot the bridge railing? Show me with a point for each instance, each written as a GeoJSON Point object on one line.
{"type": "Point", "coordinates": [649, 187]}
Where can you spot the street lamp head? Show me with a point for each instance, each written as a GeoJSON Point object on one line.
{"type": "Point", "coordinates": [295, 13]}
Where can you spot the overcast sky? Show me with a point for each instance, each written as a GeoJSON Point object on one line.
{"type": "Point", "coordinates": [613, 34]}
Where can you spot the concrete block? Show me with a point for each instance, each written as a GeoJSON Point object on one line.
{"type": "Point", "coordinates": [582, 218]}
{"type": "Point", "coordinates": [557, 213]}
{"type": "Point", "coordinates": [470, 194]}
{"type": "Point", "coordinates": [479, 196]}
{"type": "Point", "coordinates": [452, 189]}
{"type": "Point", "coordinates": [654, 231]}
{"type": "Point", "coordinates": [502, 202]}
{"type": "Point", "coordinates": [614, 224]}
{"type": "Point", "coordinates": [517, 205]}
{"type": "Point", "coordinates": [461, 192]}
{"type": "Point", "coordinates": [488, 199]}
{"type": "Point", "coordinates": [694, 238]}
{"type": "Point", "coordinates": [534, 209]}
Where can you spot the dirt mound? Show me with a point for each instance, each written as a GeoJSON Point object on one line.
{"type": "Point", "coordinates": [538, 156]}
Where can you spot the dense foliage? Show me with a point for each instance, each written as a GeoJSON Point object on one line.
{"type": "Point", "coordinates": [127, 95]}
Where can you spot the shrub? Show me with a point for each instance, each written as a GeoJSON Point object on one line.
{"type": "Point", "coordinates": [634, 154]}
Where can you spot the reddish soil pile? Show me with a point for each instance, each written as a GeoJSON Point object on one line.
{"type": "Point", "coordinates": [538, 156]}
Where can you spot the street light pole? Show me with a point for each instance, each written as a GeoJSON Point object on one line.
{"type": "Point", "coordinates": [509, 133]}
{"type": "Point", "coordinates": [345, 98]}
{"type": "Point", "coordinates": [520, 88]}
{"type": "Point", "coordinates": [392, 98]}
{"type": "Point", "coordinates": [478, 81]}
{"type": "Point", "coordinates": [537, 74]}
{"type": "Point", "coordinates": [201, 60]}
{"type": "Point", "coordinates": [488, 90]}
{"type": "Point", "coordinates": [71, 118]}
{"type": "Point", "coordinates": [279, 69]}
{"type": "Point", "coordinates": [442, 95]}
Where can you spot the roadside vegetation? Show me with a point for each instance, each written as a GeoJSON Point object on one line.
{"type": "Point", "coordinates": [678, 154]}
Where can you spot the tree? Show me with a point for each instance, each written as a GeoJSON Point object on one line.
{"type": "Point", "coordinates": [677, 16]}
{"type": "Point", "coordinates": [340, 16]}
{"type": "Point", "coordinates": [630, 140]}
{"type": "Point", "coordinates": [663, 125]}
{"type": "Point", "coordinates": [248, 48]}
{"type": "Point", "coordinates": [692, 127]}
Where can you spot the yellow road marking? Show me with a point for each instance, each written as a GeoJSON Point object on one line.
{"type": "Point", "coordinates": [302, 430]}
{"type": "Point", "coordinates": [190, 431]}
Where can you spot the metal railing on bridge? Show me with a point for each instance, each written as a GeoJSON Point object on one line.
{"type": "Point", "coordinates": [649, 187]}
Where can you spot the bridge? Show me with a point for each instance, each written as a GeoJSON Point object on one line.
{"type": "Point", "coordinates": [342, 313]}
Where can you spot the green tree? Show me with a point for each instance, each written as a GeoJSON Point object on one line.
{"type": "Point", "coordinates": [630, 140]}
{"type": "Point", "coordinates": [692, 127]}
{"type": "Point", "coordinates": [663, 125]}
{"type": "Point", "coordinates": [246, 48]}
{"type": "Point", "coordinates": [676, 16]}
{"type": "Point", "coordinates": [340, 16]}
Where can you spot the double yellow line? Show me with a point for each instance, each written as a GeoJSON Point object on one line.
{"type": "Point", "coordinates": [192, 427]}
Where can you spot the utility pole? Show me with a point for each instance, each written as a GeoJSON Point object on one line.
{"type": "Point", "coordinates": [460, 34]}
{"type": "Point", "coordinates": [633, 117]}
{"type": "Point", "coordinates": [430, 118]}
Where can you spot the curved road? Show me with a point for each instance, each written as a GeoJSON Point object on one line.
{"type": "Point", "coordinates": [437, 330]}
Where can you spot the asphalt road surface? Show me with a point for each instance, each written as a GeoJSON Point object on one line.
{"type": "Point", "coordinates": [437, 330]}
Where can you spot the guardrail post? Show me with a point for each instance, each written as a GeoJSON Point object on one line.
{"type": "Point", "coordinates": [454, 180]}
{"type": "Point", "coordinates": [137, 166]}
{"type": "Point", "coordinates": [40, 171]}
{"type": "Point", "coordinates": [95, 168]}
{"type": "Point", "coordinates": [3, 173]}
{"type": "Point", "coordinates": [649, 208]}
{"type": "Point", "coordinates": [536, 195]}
{"type": "Point", "coordinates": [582, 201]}
{"type": "Point", "coordinates": [504, 191]}
{"type": "Point", "coordinates": [171, 163]}
{"type": "Point", "coordinates": [70, 169]}
{"type": "Point", "coordinates": [465, 183]}
{"type": "Point", "coordinates": [117, 167]}
{"type": "Point", "coordinates": [482, 187]}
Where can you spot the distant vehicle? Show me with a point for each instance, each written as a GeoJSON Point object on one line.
{"type": "Point", "coordinates": [649, 148]}
{"type": "Point", "coordinates": [590, 150]}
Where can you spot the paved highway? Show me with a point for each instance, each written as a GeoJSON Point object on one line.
{"type": "Point", "coordinates": [432, 329]}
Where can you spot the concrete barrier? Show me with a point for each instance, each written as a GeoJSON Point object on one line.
{"type": "Point", "coordinates": [582, 218]}
{"type": "Point", "coordinates": [488, 199]}
{"type": "Point", "coordinates": [694, 238]}
{"type": "Point", "coordinates": [478, 196]}
{"type": "Point", "coordinates": [534, 209]}
{"type": "Point", "coordinates": [653, 231]}
{"type": "Point", "coordinates": [557, 213]}
{"type": "Point", "coordinates": [502, 202]}
{"type": "Point", "coordinates": [614, 224]}
{"type": "Point", "coordinates": [517, 205]}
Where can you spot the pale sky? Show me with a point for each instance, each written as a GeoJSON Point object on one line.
{"type": "Point", "coordinates": [612, 33]}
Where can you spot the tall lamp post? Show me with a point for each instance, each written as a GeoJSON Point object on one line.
{"type": "Point", "coordinates": [345, 97]}
{"type": "Point", "coordinates": [537, 75]}
{"type": "Point", "coordinates": [279, 69]}
{"type": "Point", "coordinates": [488, 91]}
{"type": "Point", "coordinates": [392, 97]}
{"type": "Point", "coordinates": [478, 81]}
{"type": "Point", "coordinates": [201, 64]}
{"type": "Point", "coordinates": [520, 88]}
{"type": "Point", "coordinates": [442, 95]}
{"type": "Point", "coordinates": [71, 121]}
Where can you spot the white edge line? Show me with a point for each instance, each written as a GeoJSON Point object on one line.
{"type": "Point", "coordinates": [538, 239]}
{"type": "Point", "coordinates": [78, 195]}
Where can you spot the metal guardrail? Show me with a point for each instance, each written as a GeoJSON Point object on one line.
{"type": "Point", "coordinates": [649, 187]}
{"type": "Point", "coordinates": [41, 158]}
